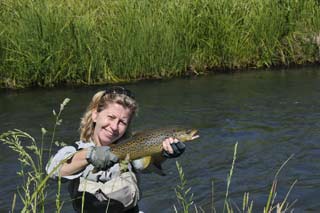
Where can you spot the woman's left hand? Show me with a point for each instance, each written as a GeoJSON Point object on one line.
{"type": "Point", "coordinates": [172, 148]}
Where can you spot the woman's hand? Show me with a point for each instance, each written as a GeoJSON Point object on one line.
{"type": "Point", "coordinates": [101, 157]}
{"type": "Point", "coordinates": [172, 148]}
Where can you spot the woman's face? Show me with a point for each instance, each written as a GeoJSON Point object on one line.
{"type": "Point", "coordinates": [111, 123]}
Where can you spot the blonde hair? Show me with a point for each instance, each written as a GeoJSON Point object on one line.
{"type": "Point", "coordinates": [99, 102]}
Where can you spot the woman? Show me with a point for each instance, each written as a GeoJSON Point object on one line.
{"type": "Point", "coordinates": [97, 183]}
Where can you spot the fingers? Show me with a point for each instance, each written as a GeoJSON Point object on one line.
{"type": "Point", "coordinates": [180, 147]}
{"type": "Point", "coordinates": [166, 144]}
{"type": "Point", "coordinates": [101, 157]}
{"type": "Point", "coordinates": [112, 157]}
{"type": "Point", "coordinates": [172, 148]}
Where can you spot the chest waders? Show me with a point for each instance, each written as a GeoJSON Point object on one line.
{"type": "Point", "coordinates": [119, 194]}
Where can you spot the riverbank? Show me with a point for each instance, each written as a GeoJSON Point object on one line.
{"type": "Point", "coordinates": [47, 43]}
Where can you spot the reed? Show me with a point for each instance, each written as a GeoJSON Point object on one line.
{"type": "Point", "coordinates": [183, 193]}
{"type": "Point", "coordinates": [34, 187]}
{"type": "Point", "coordinates": [50, 42]}
{"type": "Point", "coordinates": [185, 197]}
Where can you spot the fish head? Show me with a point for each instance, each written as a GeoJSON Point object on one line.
{"type": "Point", "coordinates": [186, 134]}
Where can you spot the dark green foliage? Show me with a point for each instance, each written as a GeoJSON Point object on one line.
{"type": "Point", "coordinates": [46, 42]}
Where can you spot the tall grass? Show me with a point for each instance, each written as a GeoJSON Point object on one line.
{"type": "Point", "coordinates": [185, 197]}
{"type": "Point", "coordinates": [49, 42]}
{"type": "Point", "coordinates": [33, 189]}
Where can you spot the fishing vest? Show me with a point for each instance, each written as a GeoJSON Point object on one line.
{"type": "Point", "coordinates": [105, 191]}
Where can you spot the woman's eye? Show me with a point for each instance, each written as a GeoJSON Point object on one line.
{"type": "Point", "coordinates": [124, 123]}
{"type": "Point", "coordinates": [110, 117]}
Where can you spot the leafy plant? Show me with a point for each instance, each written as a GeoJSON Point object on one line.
{"type": "Point", "coordinates": [184, 196]}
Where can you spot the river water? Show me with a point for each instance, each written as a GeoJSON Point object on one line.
{"type": "Point", "coordinates": [270, 114]}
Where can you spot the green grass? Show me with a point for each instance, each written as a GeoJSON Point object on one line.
{"type": "Point", "coordinates": [185, 197]}
{"type": "Point", "coordinates": [46, 42]}
{"type": "Point", "coordinates": [34, 187]}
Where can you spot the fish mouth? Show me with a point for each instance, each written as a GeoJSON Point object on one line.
{"type": "Point", "coordinates": [193, 133]}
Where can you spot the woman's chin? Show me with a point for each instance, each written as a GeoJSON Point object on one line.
{"type": "Point", "coordinates": [105, 141]}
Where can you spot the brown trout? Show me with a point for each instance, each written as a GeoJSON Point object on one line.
{"type": "Point", "coordinates": [147, 147]}
{"type": "Point", "coordinates": [149, 143]}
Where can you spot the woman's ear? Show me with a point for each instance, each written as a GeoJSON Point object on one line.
{"type": "Point", "coordinates": [94, 115]}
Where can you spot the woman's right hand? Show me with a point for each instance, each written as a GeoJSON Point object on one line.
{"type": "Point", "coordinates": [101, 157]}
{"type": "Point", "coordinates": [172, 148]}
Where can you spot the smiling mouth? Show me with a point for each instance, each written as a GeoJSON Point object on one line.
{"type": "Point", "coordinates": [108, 132]}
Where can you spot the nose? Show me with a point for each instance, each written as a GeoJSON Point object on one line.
{"type": "Point", "coordinates": [114, 125]}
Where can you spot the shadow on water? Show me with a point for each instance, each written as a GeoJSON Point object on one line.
{"type": "Point", "coordinates": [270, 114]}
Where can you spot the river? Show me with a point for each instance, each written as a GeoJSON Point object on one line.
{"type": "Point", "coordinates": [270, 114]}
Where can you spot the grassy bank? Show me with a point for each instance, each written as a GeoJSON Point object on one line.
{"type": "Point", "coordinates": [46, 42]}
